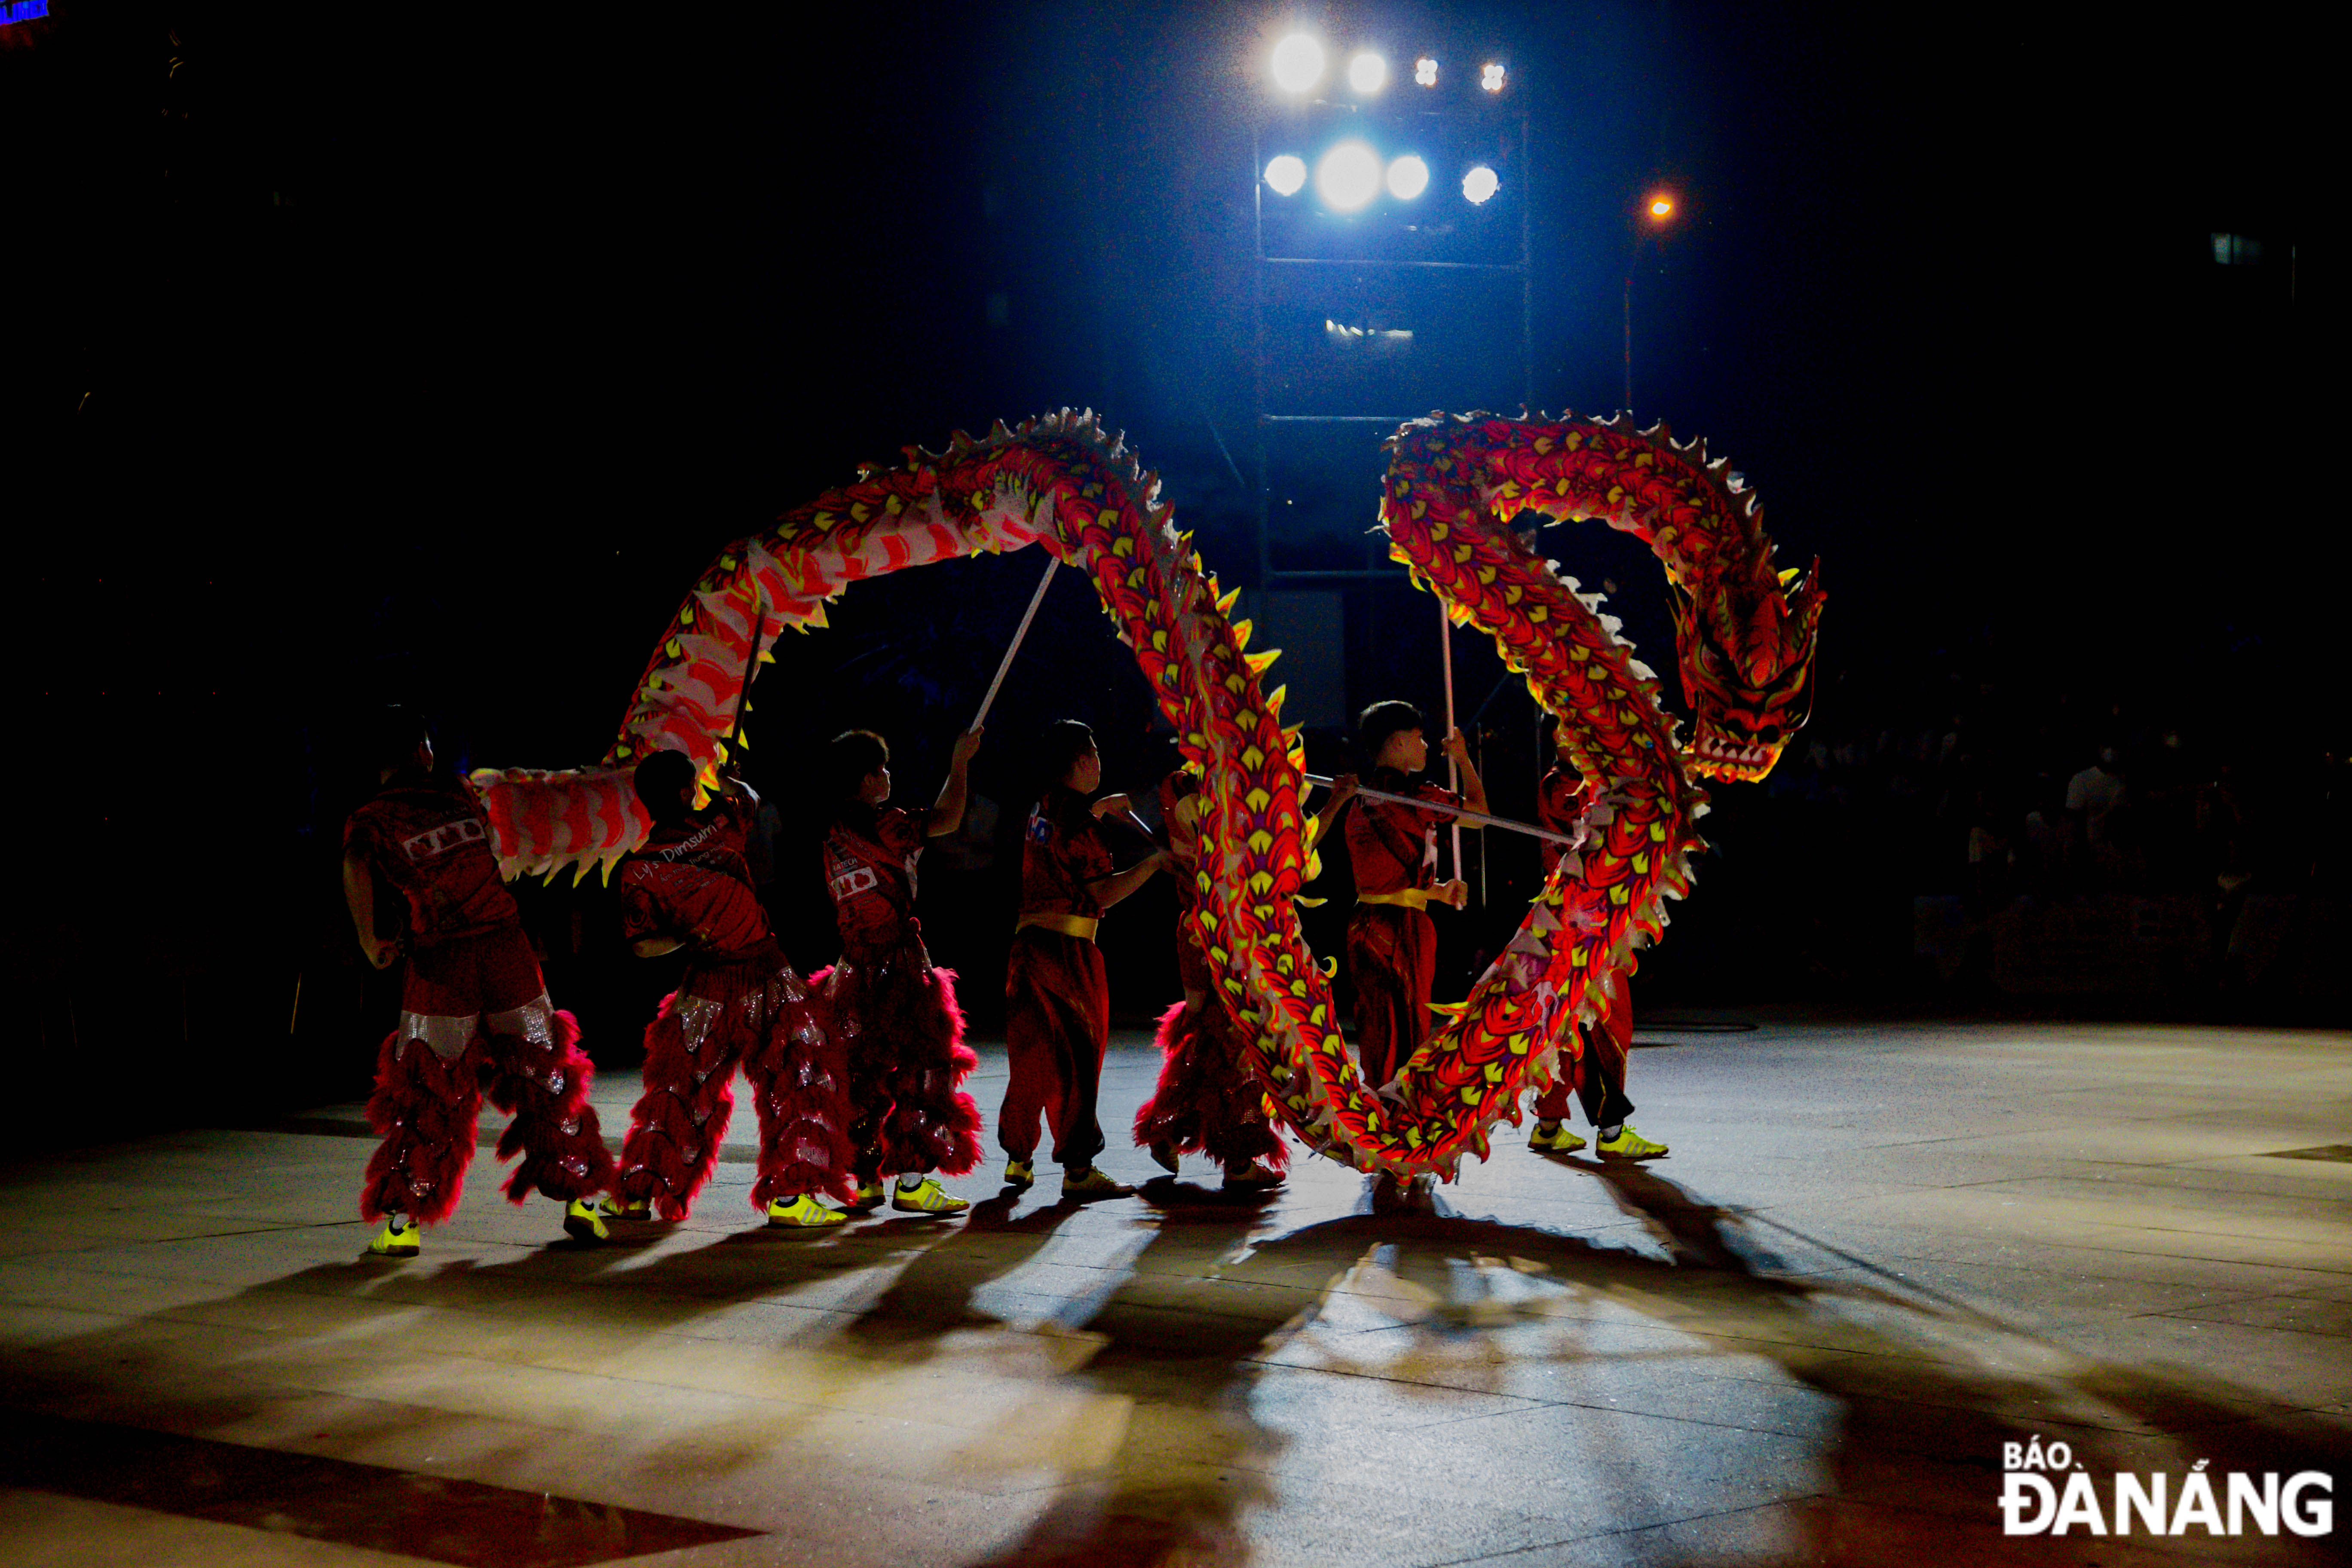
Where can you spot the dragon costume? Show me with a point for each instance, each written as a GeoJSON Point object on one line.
{"type": "Point", "coordinates": [1745, 636]}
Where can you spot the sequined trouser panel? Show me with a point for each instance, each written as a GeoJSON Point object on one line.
{"type": "Point", "coordinates": [902, 1031]}
{"type": "Point", "coordinates": [760, 1017]}
{"type": "Point", "coordinates": [430, 1076]}
{"type": "Point", "coordinates": [1207, 1102]}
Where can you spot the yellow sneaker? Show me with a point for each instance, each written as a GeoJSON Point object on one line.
{"type": "Point", "coordinates": [869, 1196]}
{"type": "Point", "coordinates": [930, 1197]}
{"type": "Point", "coordinates": [1559, 1140]}
{"type": "Point", "coordinates": [804, 1211]}
{"type": "Point", "coordinates": [583, 1223]}
{"type": "Point", "coordinates": [1090, 1183]}
{"type": "Point", "coordinates": [396, 1240]}
{"type": "Point", "coordinates": [1252, 1177]}
{"type": "Point", "coordinates": [1164, 1154]}
{"type": "Point", "coordinates": [1629, 1145]}
{"type": "Point", "coordinates": [1017, 1173]}
{"type": "Point", "coordinates": [613, 1208]}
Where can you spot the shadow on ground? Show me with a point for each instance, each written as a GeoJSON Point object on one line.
{"type": "Point", "coordinates": [1926, 1391]}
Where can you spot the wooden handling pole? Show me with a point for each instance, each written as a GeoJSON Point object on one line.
{"type": "Point", "coordinates": [1478, 817]}
{"type": "Point", "coordinates": [1453, 769]}
{"type": "Point", "coordinates": [1019, 633]}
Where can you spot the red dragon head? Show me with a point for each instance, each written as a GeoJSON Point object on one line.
{"type": "Point", "coordinates": [1746, 658]}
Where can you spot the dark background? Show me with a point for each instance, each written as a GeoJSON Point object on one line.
{"type": "Point", "coordinates": [361, 354]}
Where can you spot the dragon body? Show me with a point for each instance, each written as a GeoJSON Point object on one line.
{"type": "Point", "coordinates": [1063, 483]}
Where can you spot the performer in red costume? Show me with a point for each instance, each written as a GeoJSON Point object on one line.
{"type": "Point", "coordinates": [1056, 997]}
{"type": "Point", "coordinates": [739, 1003]}
{"type": "Point", "coordinates": [895, 1011]}
{"type": "Point", "coordinates": [474, 1011]}
{"type": "Point", "coordinates": [1207, 1102]}
{"type": "Point", "coordinates": [1598, 1077]}
{"type": "Point", "coordinates": [1391, 945]}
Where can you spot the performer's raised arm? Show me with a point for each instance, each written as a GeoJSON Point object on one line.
{"type": "Point", "coordinates": [1343, 790]}
{"type": "Point", "coordinates": [1474, 791]}
{"type": "Point", "coordinates": [947, 812]}
{"type": "Point", "coordinates": [1108, 890]}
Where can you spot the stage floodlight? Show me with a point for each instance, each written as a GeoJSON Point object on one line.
{"type": "Point", "coordinates": [1286, 174]}
{"type": "Point", "coordinates": [1491, 78]}
{"type": "Point", "coordinates": [1368, 73]}
{"type": "Point", "coordinates": [1479, 185]}
{"type": "Point", "coordinates": [1408, 177]}
{"type": "Point", "coordinates": [1298, 63]}
{"type": "Point", "coordinates": [1424, 70]}
{"type": "Point", "coordinates": [1348, 176]}
{"type": "Point", "coordinates": [1662, 208]}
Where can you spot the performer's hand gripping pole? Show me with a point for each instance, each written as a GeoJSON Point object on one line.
{"type": "Point", "coordinates": [1019, 633]}
{"type": "Point", "coordinates": [1460, 815]}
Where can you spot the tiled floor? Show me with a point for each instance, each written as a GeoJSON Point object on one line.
{"type": "Point", "coordinates": [1876, 1257]}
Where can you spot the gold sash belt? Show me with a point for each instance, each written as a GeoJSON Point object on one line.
{"type": "Point", "coordinates": [1409, 897]}
{"type": "Point", "coordinates": [1068, 925]}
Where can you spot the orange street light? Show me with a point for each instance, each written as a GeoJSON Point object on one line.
{"type": "Point", "coordinates": [1659, 208]}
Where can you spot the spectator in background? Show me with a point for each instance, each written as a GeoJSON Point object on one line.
{"type": "Point", "coordinates": [1992, 851]}
{"type": "Point", "coordinates": [2045, 839]}
{"type": "Point", "coordinates": [2092, 796]}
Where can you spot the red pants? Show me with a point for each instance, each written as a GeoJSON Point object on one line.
{"type": "Point", "coordinates": [756, 1012]}
{"type": "Point", "coordinates": [898, 1021]}
{"type": "Point", "coordinates": [1056, 1028]}
{"type": "Point", "coordinates": [475, 1017]}
{"type": "Point", "coordinates": [1393, 965]}
{"type": "Point", "coordinates": [1598, 1076]}
{"type": "Point", "coordinates": [470, 975]}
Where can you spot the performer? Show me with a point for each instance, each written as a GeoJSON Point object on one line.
{"type": "Point", "coordinates": [896, 1014]}
{"type": "Point", "coordinates": [1207, 1102]}
{"type": "Point", "coordinates": [1056, 998]}
{"type": "Point", "coordinates": [1598, 1077]}
{"type": "Point", "coordinates": [1391, 945]}
{"type": "Point", "coordinates": [739, 1003]}
{"type": "Point", "coordinates": [473, 1010]}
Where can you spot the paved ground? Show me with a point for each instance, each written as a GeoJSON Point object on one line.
{"type": "Point", "coordinates": [1876, 1257]}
